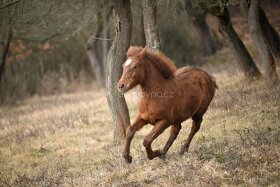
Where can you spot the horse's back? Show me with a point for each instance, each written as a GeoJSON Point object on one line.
{"type": "Point", "coordinates": [190, 73]}
{"type": "Point", "coordinates": [199, 82]}
{"type": "Point", "coordinates": [195, 75]}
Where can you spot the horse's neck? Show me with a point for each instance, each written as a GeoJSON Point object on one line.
{"type": "Point", "coordinates": [153, 80]}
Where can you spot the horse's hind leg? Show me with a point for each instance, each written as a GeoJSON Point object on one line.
{"type": "Point", "coordinates": [148, 140]}
{"type": "Point", "coordinates": [174, 131]}
{"type": "Point", "coordinates": [197, 119]}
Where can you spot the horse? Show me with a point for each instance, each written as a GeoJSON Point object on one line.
{"type": "Point", "coordinates": [169, 97]}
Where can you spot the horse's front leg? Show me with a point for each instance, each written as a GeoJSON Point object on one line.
{"type": "Point", "coordinates": [130, 131]}
{"type": "Point", "coordinates": [148, 140]}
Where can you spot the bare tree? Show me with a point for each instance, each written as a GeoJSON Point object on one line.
{"type": "Point", "coordinates": [150, 23]}
{"type": "Point", "coordinates": [241, 53]}
{"type": "Point", "coordinates": [106, 13]}
{"type": "Point", "coordinates": [271, 36]}
{"type": "Point", "coordinates": [116, 57]}
{"type": "Point", "coordinates": [207, 42]}
{"type": "Point", "coordinates": [6, 46]}
{"type": "Point", "coordinates": [93, 54]}
{"type": "Point", "coordinates": [260, 41]}
{"type": "Point", "coordinates": [220, 11]}
{"type": "Point", "coordinates": [47, 34]}
{"type": "Point", "coordinates": [102, 32]}
{"type": "Point", "coordinates": [95, 63]}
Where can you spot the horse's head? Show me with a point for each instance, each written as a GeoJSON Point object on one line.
{"type": "Point", "coordinates": [133, 71]}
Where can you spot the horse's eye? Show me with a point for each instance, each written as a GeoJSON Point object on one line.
{"type": "Point", "coordinates": [134, 67]}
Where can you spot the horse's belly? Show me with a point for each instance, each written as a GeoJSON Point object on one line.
{"type": "Point", "coordinates": [152, 114]}
{"type": "Point", "coordinates": [153, 117]}
{"type": "Point", "coordinates": [173, 110]}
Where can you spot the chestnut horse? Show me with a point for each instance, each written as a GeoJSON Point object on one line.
{"type": "Point", "coordinates": [169, 97]}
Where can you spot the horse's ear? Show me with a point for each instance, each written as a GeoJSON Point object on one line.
{"type": "Point", "coordinates": [143, 52]}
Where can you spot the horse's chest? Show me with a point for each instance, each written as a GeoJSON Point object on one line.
{"type": "Point", "coordinates": [153, 110]}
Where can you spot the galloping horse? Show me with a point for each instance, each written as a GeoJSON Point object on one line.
{"type": "Point", "coordinates": [169, 97]}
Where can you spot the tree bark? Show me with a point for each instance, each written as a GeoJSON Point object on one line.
{"type": "Point", "coordinates": [244, 8]}
{"type": "Point", "coordinates": [142, 31]}
{"type": "Point", "coordinates": [106, 13]}
{"type": "Point", "coordinates": [271, 36]}
{"type": "Point", "coordinates": [150, 23]}
{"type": "Point", "coordinates": [96, 65]}
{"type": "Point", "coordinates": [260, 41]}
{"type": "Point", "coordinates": [116, 57]}
{"type": "Point", "coordinates": [245, 61]}
{"type": "Point", "coordinates": [94, 57]}
{"type": "Point", "coordinates": [6, 47]}
{"type": "Point", "coordinates": [206, 39]}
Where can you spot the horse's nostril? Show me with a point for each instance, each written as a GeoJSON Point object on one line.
{"type": "Point", "coordinates": [121, 86]}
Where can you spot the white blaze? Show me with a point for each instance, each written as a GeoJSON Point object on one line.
{"type": "Point", "coordinates": [127, 62]}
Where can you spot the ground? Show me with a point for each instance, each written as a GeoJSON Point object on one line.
{"type": "Point", "coordinates": [66, 140]}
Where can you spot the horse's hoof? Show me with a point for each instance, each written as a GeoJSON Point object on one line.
{"type": "Point", "coordinates": [160, 154]}
{"type": "Point", "coordinates": [128, 159]}
{"type": "Point", "coordinates": [182, 152]}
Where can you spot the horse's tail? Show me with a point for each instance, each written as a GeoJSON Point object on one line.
{"type": "Point", "coordinates": [214, 81]}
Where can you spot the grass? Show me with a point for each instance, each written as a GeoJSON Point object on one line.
{"type": "Point", "coordinates": [66, 140]}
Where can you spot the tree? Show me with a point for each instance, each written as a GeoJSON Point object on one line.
{"type": "Point", "coordinates": [138, 33]}
{"type": "Point", "coordinates": [93, 54]}
{"type": "Point", "coordinates": [220, 11]}
{"type": "Point", "coordinates": [150, 23]}
{"type": "Point", "coordinates": [102, 33]}
{"type": "Point", "coordinates": [106, 13]}
{"type": "Point", "coordinates": [6, 46]}
{"type": "Point", "coordinates": [241, 53]}
{"type": "Point", "coordinates": [95, 63]}
{"type": "Point", "coordinates": [98, 62]}
{"type": "Point", "coordinates": [116, 56]}
{"type": "Point", "coordinates": [260, 41]}
{"type": "Point", "coordinates": [271, 36]}
{"type": "Point", "coordinates": [206, 39]}
{"type": "Point", "coordinates": [42, 36]}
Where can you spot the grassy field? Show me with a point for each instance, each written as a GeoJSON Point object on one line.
{"type": "Point", "coordinates": [66, 140]}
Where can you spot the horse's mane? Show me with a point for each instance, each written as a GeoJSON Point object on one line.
{"type": "Point", "coordinates": [164, 64]}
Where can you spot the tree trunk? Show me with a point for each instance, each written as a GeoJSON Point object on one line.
{"type": "Point", "coordinates": [260, 42]}
{"type": "Point", "coordinates": [94, 57]}
{"type": "Point", "coordinates": [271, 36]}
{"type": "Point", "coordinates": [205, 36]}
{"type": "Point", "coordinates": [244, 8]}
{"type": "Point", "coordinates": [6, 47]}
{"type": "Point", "coordinates": [142, 31]}
{"type": "Point", "coordinates": [213, 24]}
{"type": "Point", "coordinates": [106, 13]}
{"type": "Point", "coordinates": [96, 65]}
{"type": "Point", "coordinates": [150, 23]}
{"type": "Point", "coordinates": [241, 53]}
{"type": "Point", "coordinates": [116, 57]}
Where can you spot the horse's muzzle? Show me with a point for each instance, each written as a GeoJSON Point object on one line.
{"type": "Point", "coordinates": [122, 88]}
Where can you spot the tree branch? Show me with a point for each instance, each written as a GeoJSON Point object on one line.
{"type": "Point", "coordinates": [97, 38]}
{"type": "Point", "coordinates": [97, 33]}
{"type": "Point", "coordinates": [40, 40]}
{"type": "Point", "coordinates": [9, 4]}
{"type": "Point", "coordinates": [188, 4]}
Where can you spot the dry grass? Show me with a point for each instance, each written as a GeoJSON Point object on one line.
{"type": "Point", "coordinates": [65, 140]}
